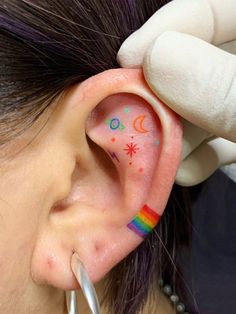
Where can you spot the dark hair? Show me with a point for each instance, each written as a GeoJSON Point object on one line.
{"type": "Point", "coordinates": [47, 46]}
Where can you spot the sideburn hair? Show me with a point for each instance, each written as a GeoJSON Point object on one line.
{"type": "Point", "coordinates": [46, 47]}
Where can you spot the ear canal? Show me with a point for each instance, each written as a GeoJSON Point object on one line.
{"type": "Point", "coordinates": [127, 129]}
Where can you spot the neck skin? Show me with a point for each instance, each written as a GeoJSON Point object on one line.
{"type": "Point", "coordinates": [36, 300]}
{"type": "Point", "coordinates": [160, 305]}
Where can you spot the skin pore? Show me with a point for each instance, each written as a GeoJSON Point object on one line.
{"type": "Point", "coordinates": [38, 174]}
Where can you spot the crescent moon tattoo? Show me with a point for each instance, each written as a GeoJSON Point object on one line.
{"type": "Point", "coordinates": [138, 124]}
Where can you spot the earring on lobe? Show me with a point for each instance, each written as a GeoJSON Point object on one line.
{"type": "Point", "coordinates": [71, 300]}
{"type": "Point", "coordinates": [86, 285]}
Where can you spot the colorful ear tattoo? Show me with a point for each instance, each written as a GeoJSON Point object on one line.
{"type": "Point", "coordinates": [144, 222]}
{"type": "Point", "coordinates": [133, 135]}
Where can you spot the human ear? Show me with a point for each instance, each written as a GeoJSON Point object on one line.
{"type": "Point", "coordinates": [119, 150]}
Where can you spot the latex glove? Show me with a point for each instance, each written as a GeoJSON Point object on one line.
{"type": "Point", "coordinates": [177, 48]}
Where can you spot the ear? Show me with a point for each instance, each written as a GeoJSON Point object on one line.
{"type": "Point", "coordinates": [123, 145]}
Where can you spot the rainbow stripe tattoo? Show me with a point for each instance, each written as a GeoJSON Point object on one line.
{"type": "Point", "coordinates": [144, 222]}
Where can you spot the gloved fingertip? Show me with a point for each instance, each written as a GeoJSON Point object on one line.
{"type": "Point", "coordinates": [127, 57]}
{"type": "Point", "coordinates": [157, 61]}
{"type": "Point", "coordinates": [129, 60]}
{"type": "Point", "coordinates": [132, 50]}
{"type": "Point", "coordinates": [189, 176]}
{"type": "Point", "coordinates": [205, 160]}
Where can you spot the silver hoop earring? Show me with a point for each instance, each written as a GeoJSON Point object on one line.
{"type": "Point", "coordinates": [86, 286]}
{"type": "Point", "coordinates": [71, 300]}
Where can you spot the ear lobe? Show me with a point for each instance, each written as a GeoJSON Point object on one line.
{"type": "Point", "coordinates": [133, 152]}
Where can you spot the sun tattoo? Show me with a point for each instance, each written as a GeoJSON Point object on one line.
{"type": "Point", "coordinates": [131, 149]}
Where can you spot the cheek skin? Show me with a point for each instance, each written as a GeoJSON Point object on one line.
{"type": "Point", "coordinates": [32, 180]}
{"type": "Point", "coordinates": [19, 216]}
{"type": "Point", "coordinates": [25, 191]}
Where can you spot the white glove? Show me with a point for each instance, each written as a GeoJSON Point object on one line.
{"type": "Point", "coordinates": [182, 49]}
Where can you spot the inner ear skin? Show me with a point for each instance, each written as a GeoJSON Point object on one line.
{"type": "Point", "coordinates": [124, 135]}
{"type": "Point", "coordinates": [129, 132]}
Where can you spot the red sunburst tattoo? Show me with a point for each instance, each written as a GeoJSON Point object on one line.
{"type": "Point", "coordinates": [131, 149]}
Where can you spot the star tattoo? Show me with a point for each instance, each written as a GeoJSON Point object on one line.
{"type": "Point", "coordinates": [131, 149]}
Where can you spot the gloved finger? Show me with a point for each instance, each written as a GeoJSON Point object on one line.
{"type": "Point", "coordinates": [211, 20]}
{"type": "Point", "coordinates": [230, 171]}
{"type": "Point", "coordinates": [203, 162]}
{"type": "Point", "coordinates": [229, 46]}
{"type": "Point", "coordinates": [193, 136]}
{"type": "Point", "coordinates": [195, 79]}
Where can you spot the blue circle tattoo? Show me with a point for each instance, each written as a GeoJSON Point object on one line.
{"type": "Point", "coordinates": [115, 124]}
